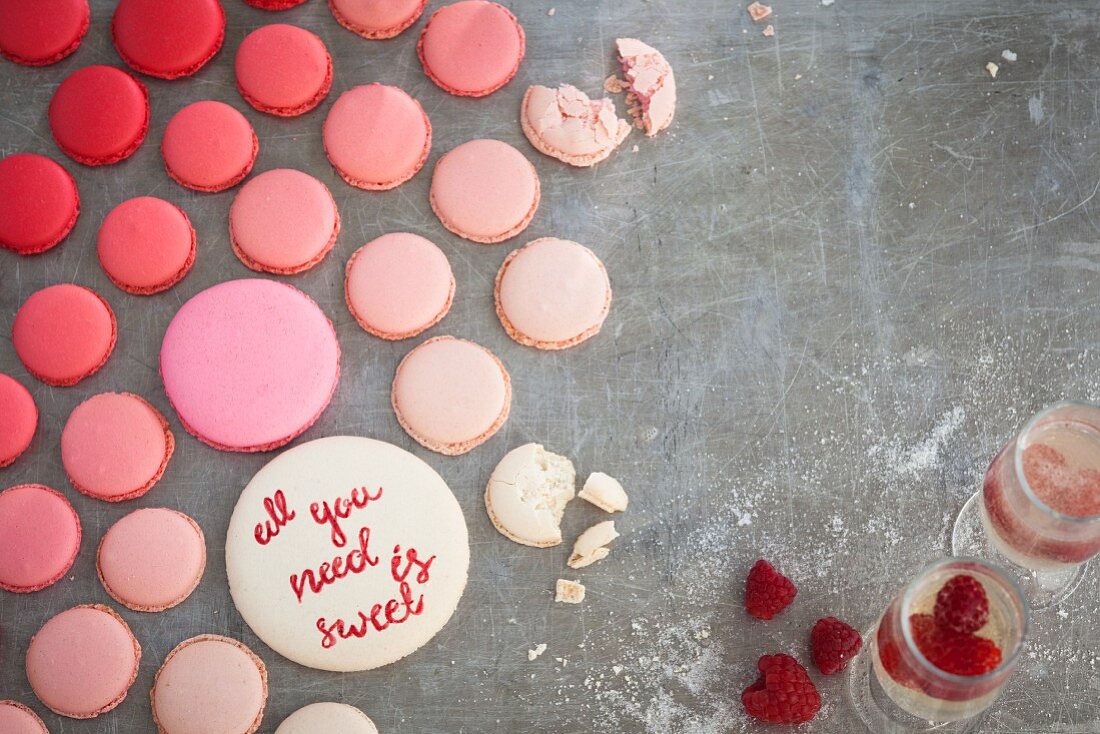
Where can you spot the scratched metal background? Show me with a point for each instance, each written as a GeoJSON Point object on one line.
{"type": "Point", "coordinates": [850, 233]}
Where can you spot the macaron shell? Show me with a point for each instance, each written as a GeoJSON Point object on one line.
{"type": "Point", "coordinates": [82, 662]}
{"type": "Point", "coordinates": [152, 559]}
{"type": "Point", "coordinates": [168, 38]}
{"type": "Point", "coordinates": [565, 124]}
{"type": "Point", "coordinates": [377, 19]}
{"type": "Point", "coordinates": [39, 203]}
{"type": "Point", "coordinates": [39, 537]}
{"type": "Point", "coordinates": [18, 420]}
{"type": "Point", "coordinates": [327, 717]}
{"type": "Point", "coordinates": [451, 395]}
{"type": "Point", "coordinates": [283, 70]}
{"type": "Point", "coordinates": [64, 333]}
{"type": "Point", "coordinates": [398, 285]}
{"type": "Point", "coordinates": [15, 718]}
{"type": "Point", "coordinates": [41, 32]}
{"type": "Point", "coordinates": [94, 133]}
{"type": "Point", "coordinates": [146, 245]}
{"type": "Point", "coordinates": [209, 146]}
{"type": "Point", "coordinates": [210, 685]}
{"type": "Point", "coordinates": [471, 48]}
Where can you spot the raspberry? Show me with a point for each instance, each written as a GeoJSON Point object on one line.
{"type": "Point", "coordinates": [833, 644]}
{"type": "Point", "coordinates": [767, 592]}
{"type": "Point", "coordinates": [954, 652]}
{"type": "Point", "coordinates": [783, 694]}
{"type": "Point", "coordinates": [961, 605]}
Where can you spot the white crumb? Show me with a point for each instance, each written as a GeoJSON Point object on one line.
{"type": "Point", "coordinates": [992, 69]}
{"type": "Point", "coordinates": [551, 11]}
{"type": "Point", "coordinates": [539, 650]}
{"type": "Point", "coordinates": [1008, 55]}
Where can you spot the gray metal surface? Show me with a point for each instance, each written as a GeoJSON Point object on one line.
{"type": "Point", "coordinates": [843, 278]}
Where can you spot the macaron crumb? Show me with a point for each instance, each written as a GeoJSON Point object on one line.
{"type": "Point", "coordinates": [605, 492]}
{"type": "Point", "coordinates": [569, 592]}
{"type": "Point", "coordinates": [592, 545]}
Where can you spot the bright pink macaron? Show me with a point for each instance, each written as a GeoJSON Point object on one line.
{"type": "Point", "coordinates": [41, 32]}
{"type": "Point", "coordinates": [18, 420]}
{"type": "Point", "coordinates": [377, 19]}
{"type": "Point", "coordinates": [115, 446]}
{"type": "Point", "coordinates": [15, 718]}
{"type": "Point", "coordinates": [209, 146]}
{"type": "Point", "coordinates": [39, 203]}
{"type": "Point", "coordinates": [283, 70]}
{"type": "Point", "coordinates": [274, 4]}
{"type": "Point", "coordinates": [249, 364]}
{"type": "Point", "coordinates": [39, 537]}
{"type": "Point", "coordinates": [168, 38]}
{"type": "Point", "coordinates": [471, 48]}
{"type": "Point", "coordinates": [377, 137]}
{"type": "Point", "coordinates": [64, 333]}
{"type": "Point", "coordinates": [146, 245]}
{"type": "Point", "coordinates": [152, 559]}
{"type": "Point", "coordinates": [99, 115]}
{"type": "Point", "coordinates": [83, 661]}
{"type": "Point", "coordinates": [283, 221]}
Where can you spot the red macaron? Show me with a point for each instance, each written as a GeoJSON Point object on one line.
{"type": "Point", "coordinates": [209, 146]}
{"type": "Point", "coordinates": [99, 115]}
{"type": "Point", "coordinates": [39, 203]}
{"type": "Point", "coordinates": [283, 70]}
{"type": "Point", "coordinates": [41, 32]}
{"type": "Point", "coordinates": [168, 39]}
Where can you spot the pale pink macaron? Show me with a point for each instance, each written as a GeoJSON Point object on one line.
{"type": "Point", "coordinates": [451, 395]}
{"type": "Point", "coordinates": [115, 446]}
{"type": "Point", "coordinates": [83, 661]}
{"type": "Point", "coordinates": [283, 70]}
{"type": "Point", "coordinates": [152, 559]}
{"type": "Point", "coordinates": [249, 364]}
{"type": "Point", "coordinates": [398, 285]}
{"type": "Point", "coordinates": [15, 718]}
{"type": "Point", "coordinates": [377, 137]}
{"type": "Point", "coordinates": [64, 333]}
{"type": "Point", "coordinates": [552, 294]}
{"type": "Point", "coordinates": [377, 19]}
{"type": "Point", "coordinates": [18, 420]}
{"type": "Point", "coordinates": [39, 537]}
{"type": "Point", "coordinates": [146, 245]}
{"type": "Point", "coordinates": [210, 684]}
{"type": "Point", "coordinates": [485, 191]}
{"type": "Point", "coordinates": [565, 124]}
{"type": "Point", "coordinates": [209, 146]}
{"type": "Point", "coordinates": [283, 221]}
{"type": "Point", "coordinates": [471, 48]}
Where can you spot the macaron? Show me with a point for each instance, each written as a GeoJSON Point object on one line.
{"type": "Point", "coordinates": [115, 446]}
{"type": "Point", "coordinates": [283, 221]}
{"type": "Point", "coordinates": [82, 662]}
{"type": "Point", "coordinates": [18, 420]}
{"type": "Point", "coordinates": [15, 718]}
{"type": "Point", "coordinates": [211, 684]}
{"type": "Point", "coordinates": [283, 70]}
{"type": "Point", "coordinates": [527, 494]}
{"type": "Point", "coordinates": [209, 146]}
{"type": "Point", "coordinates": [168, 39]}
{"type": "Point", "coordinates": [99, 115]}
{"type": "Point", "coordinates": [564, 123]}
{"type": "Point", "coordinates": [64, 333]}
{"type": "Point", "coordinates": [485, 191]}
{"type": "Point", "coordinates": [451, 395]}
{"type": "Point", "coordinates": [39, 537]}
{"type": "Point", "coordinates": [552, 294]}
{"type": "Point", "coordinates": [274, 4]}
{"type": "Point", "coordinates": [41, 32]}
{"type": "Point", "coordinates": [651, 81]}
{"type": "Point", "coordinates": [376, 19]}
{"type": "Point", "coordinates": [249, 365]}
{"type": "Point", "coordinates": [39, 203]}
{"type": "Point", "coordinates": [146, 245]}
{"type": "Point", "coordinates": [471, 48]}
{"type": "Point", "coordinates": [398, 285]}
{"type": "Point", "coordinates": [377, 137]}
{"type": "Point", "coordinates": [151, 559]}
{"type": "Point", "coordinates": [328, 717]}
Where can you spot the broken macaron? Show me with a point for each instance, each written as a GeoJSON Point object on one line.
{"type": "Point", "coordinates": [651, 82]}
{"type": "Point", "coordinates": [527, 494]}
{"type": "Point", "coordinates": [564, 123]}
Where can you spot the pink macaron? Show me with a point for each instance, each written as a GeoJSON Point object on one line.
{"type": "Point", "coordinates": [41, 32]}
{"type": "Point", "coordinates": [18, 420]}
{"type": "Point", "coordinates": [64, 333]}
{"type": "Point", "coordinates": [99, 115]}
{"type": "Point", "coordinates": [168, 39]}
{"type": "Point", "coordinates": [15, 718]}
{"type": "Point", "coordinates": [565, 124]}
{"type": "Point", "coordinates": [377, 19]}
{"type": "Point", "coordinates": [39, 203]}
{"type": "Point", "coordinates": [471, 48]}
{"type": "Point", "coordinates": [146, 245]}
{"type": "Point", "coordinates": [39, 537]}
{"type": "Point", "coordinates": [283, 70]}
{"type": "Point", "coordinates": [209, 146]}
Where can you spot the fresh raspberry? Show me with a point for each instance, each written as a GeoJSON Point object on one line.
{"type": "Point", "coordinates": [783, 694]}
{"type": "Point", "coordinates": [961, 605]}
{"type": "Point", "coordinates": [954, 652]}
{"type": "Point", "coordinates": [767, 592]}
{"type": "Point", "coordinates": [833, 644]}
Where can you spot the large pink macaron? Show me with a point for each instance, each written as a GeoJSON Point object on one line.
{"type": "Point", "coordinates": [18, 420]}
{"type": "Point", "coordinates": [451, 395]}
{"type": "Point", "coordinates": [377, 19]}
{"type": "Point", "coordinates": [41, 32]}
{"type": "Point", "coordinates": [83, 661]}
{"type": "Point", "coordinates": [471, 48]}
{"type": "Point", "coordinates": [168, 38]}
{"type": "Point", "coordinates": [485, 191]}
{"type": "Point", "coordinates": [152, 559]}
{"type": "Point", "coordinates": [146, 245]}
{"type": "Point", "coordinates": [39, 537]}
{"type": "Point", "coordinates": [39, 203]}
{"type": "Point", "coordinates": [15, 718]}
{"type": "Point", "coordinates": [398, 285]}
{"type": "Point", "coordinates": [115, 446]}
{"type": "Point", "coordinates": [283, 70]}
{"type": "Point", "coordinates": [249, 364]}
{"type": "Point", "coordinates": [99, 115]}
{"type": "Point", "coordinates": [209, 146]}
{"type": "Point", "coordinates": [377, 137]}
{"type": "Point", "coordinates": [64, 333]}
{"type": "Point", "coordinates": [283, 221]}
{"type": "Point", "coordinates": [210, 684]}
